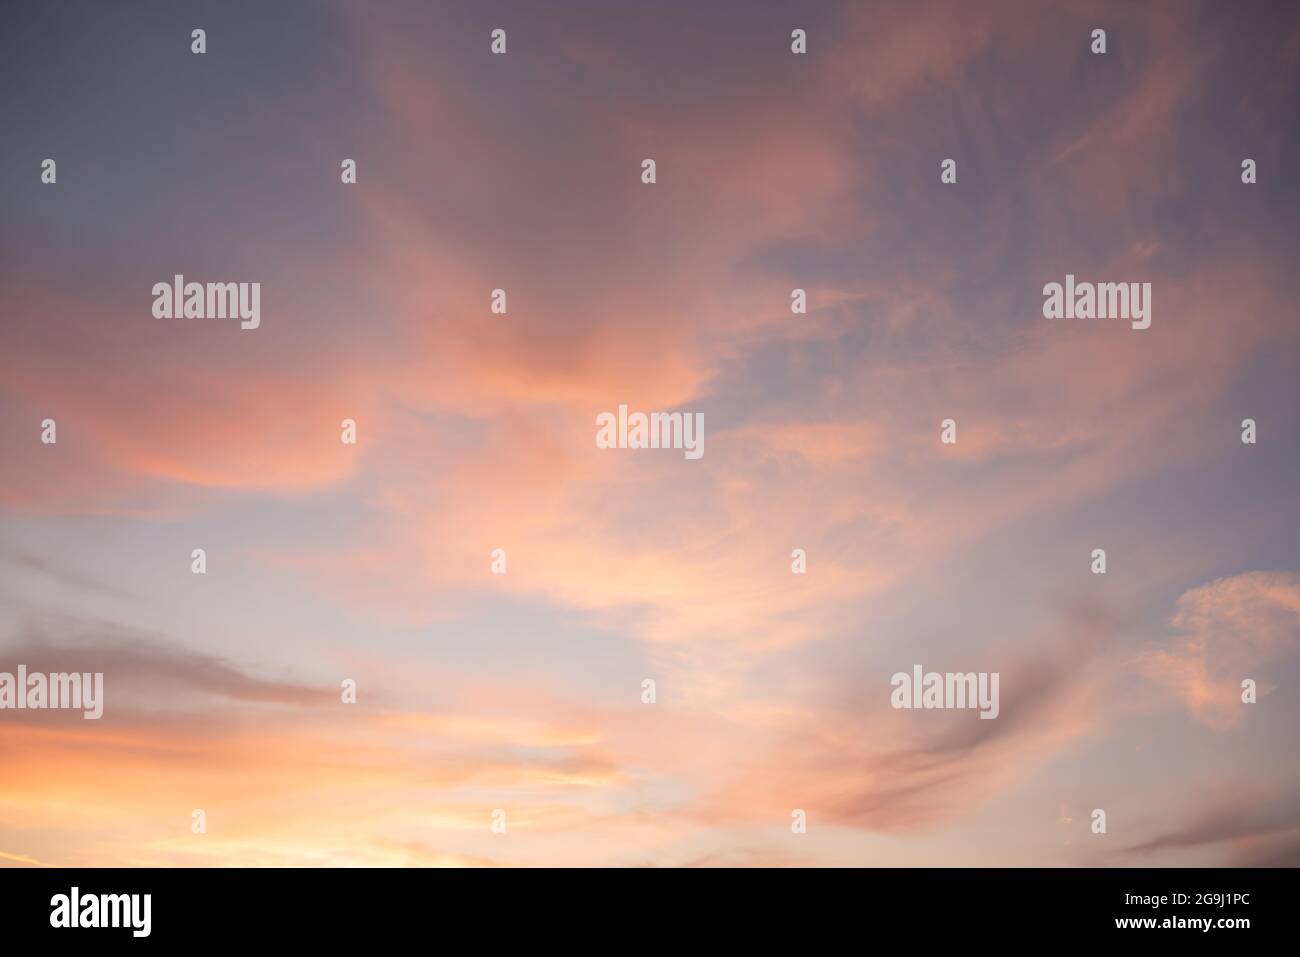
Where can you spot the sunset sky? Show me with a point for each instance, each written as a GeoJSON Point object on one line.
{"type": "Point", "coordinates": [522, 691]}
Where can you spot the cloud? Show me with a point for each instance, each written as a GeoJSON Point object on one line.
{"type": "Point", "coordinates": [185, 729]}
{"type": "Point", "coordinates": [476, 431]}
{"type": "Point", "coordinates": [67, 579]}
{"type": "Point", "coordinates": [1258, 828]}
{"type": "Point", "coordinates": [19, 860]}
{"type": "Point", "coordinates": [147, 672]}
{"type": "Point", "coordinates": [881, 770]}
{"type": "Point", "coordinates": [1225, 631]}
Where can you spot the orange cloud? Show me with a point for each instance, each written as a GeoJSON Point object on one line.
{"type": "Point", "coordinates": [1228, 630]}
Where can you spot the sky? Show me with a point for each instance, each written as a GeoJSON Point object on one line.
{"type": "Point", "coordinates": [522, 692]}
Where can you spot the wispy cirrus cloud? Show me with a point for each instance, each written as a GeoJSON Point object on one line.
{"type": "Point", "coordinates": [521, 691]}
